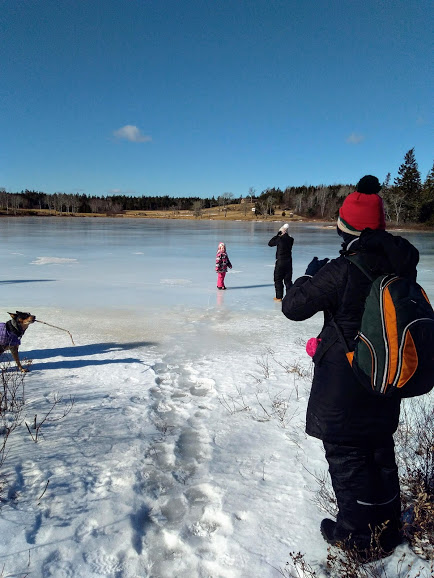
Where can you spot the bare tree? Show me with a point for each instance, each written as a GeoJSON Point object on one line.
{"type": "Point", "coordinates": [4, 199]}
{"type": "Point", "coordinates": [251, 193]}
{"type": "Point", "coordinates": [397, 201]}
{"type": "Point", "coordinates": [298, 203]}
{"type": "Point", "coordinates": [197, 208]}
{"type": "Point", "coordinates": [95, 205]}
{"type": "Point", "coordinates": [270, 203]}
{"type": "Point", "coordinates": [322, 195]}
{"type": "Point", "coordinates": [15, 202]}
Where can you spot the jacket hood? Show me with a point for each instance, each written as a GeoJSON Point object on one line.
{"type": "Point", "coordinates": [389, 253]}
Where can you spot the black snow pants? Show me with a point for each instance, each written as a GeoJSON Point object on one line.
{"type": "Point", "coordinates": [366, 485]}
{"type": "Point", "coordinates": [282, 274]}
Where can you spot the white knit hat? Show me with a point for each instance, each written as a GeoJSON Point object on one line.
{"type": "Point", "coordinates": [284, 228]}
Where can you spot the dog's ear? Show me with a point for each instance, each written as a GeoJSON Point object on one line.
{"type": "Point", "coordinates": [13, 315]}
{"type": "Point", "coordinates": [22, 315]}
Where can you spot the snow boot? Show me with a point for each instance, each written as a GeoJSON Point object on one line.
{"type": "Point", "coordinates": [371, 553]}
{"type": "Point", "coordinates": [327, 529]}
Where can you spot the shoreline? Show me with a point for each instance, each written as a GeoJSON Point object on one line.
{"type": "Point", "coordinates": [207, 215]}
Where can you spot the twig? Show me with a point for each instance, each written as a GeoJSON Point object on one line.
{"type": "Point", "coordinates": [55, 326]}
{"type": "Point", "coordinates": [45, 489]}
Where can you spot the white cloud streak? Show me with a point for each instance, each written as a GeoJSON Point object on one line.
{"type": "Point", "coordinates": [131, 133]}
{"type": "Point", "coordinates": [355, 138]}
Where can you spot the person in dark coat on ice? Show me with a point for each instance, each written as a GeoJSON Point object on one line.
{"type": "Point", "coordinates": [283, 267]}
{"type": "Point", "coordinates": [356, 427]}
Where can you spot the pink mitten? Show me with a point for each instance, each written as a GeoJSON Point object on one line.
{"type": "Point", "coordinates": [312, 345]}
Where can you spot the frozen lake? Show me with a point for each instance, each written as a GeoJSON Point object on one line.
{"type": "Point", "coordinates": [156, 264]}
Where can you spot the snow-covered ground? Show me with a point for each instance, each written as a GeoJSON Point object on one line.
{"type": "Point", "coordinates": [184, 455]}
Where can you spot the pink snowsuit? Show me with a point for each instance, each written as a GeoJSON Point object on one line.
{"type": "Point", "coordinates": [221, 265]}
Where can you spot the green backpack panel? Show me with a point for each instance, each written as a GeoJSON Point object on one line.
{"type": "Point", "coordinates": [394, 353]}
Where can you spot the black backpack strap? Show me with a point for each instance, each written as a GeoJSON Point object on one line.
{"type": "Point", "coordinates": [356, 259]}
{"type": "Point", "coordinates": [340, 335]}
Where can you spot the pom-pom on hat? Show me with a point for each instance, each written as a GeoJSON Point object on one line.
{"type": "Point", "coordinates": [362, 209]}
{"type": "Point", "coordinates": [368, 185]}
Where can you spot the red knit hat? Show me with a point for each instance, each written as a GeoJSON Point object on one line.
{"type": "Point", "coordinates": [362, 210]}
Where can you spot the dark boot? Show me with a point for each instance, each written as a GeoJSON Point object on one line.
{"type": "Point", "coordinates": [376, 551]}
{"type": "Point", "coordinates": [327, 529]}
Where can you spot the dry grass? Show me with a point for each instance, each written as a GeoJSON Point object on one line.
{"type": "Point", "coordinates": [234, 212]}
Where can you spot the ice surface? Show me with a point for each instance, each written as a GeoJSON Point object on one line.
{"type": "Point", "coordinates": [184, 455]}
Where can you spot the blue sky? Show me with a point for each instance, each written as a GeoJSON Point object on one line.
{"type": "Point", "coordinates": [194, 97]}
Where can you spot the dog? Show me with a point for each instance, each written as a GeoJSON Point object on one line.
{"type": "Point", "coordinates": [11, 333]}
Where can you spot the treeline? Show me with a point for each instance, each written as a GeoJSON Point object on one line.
{"type": "Point", "coordinates": [406, 199]}
{"type": "Point", "coordinates": [81, 203]}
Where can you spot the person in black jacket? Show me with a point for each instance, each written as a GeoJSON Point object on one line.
{"type": "Point", "coordinates": [283, 267]}
{"type": "Point", "coordinates": [356, 427]}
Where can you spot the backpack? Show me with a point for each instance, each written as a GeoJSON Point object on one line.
{"type": "Point", "coordinates": [394, 352]}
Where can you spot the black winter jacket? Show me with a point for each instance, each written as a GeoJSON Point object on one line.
{"type": "Point", "coordinates": [284, 246]}
{"type": "Point", "coordinates": [340, 410]}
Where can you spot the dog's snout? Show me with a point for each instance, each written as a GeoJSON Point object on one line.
{"type": "Point", "coordinates": [29, 319]}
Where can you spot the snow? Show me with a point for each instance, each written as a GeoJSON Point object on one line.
{"type": "Point", "coordinates": [184, 454]}
{"type": "Point", "coordinates": [52, 261]}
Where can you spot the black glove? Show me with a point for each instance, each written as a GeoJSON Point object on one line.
{"type": "Point", "coordinates": [279, 233]}
{"type": "Point", "coordinates": [315, 265]}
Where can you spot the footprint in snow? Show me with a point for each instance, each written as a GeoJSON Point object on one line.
{"type": "Point", "coordinates": [202, 386]}
{"type": "Point", "coordinates": [54, 565]}
{"type": "Point", "coordinates": [102, 562]}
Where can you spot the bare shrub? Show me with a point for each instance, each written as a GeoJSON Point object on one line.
{"type": "Point", "coordinates": [274, 407]}
{"type": "Point", "coordinates": [12, 388]}
{"type": "Point", "coordinates": [297, 568]}
{"type": "Point", "coordinates": [295, 368]}
{"type": "Point", "coordinates": [234, 403]}
{"type": "Point", "coordinates": [49, 417]}
{"type": "Point", "coordinates": [349, 563]}
{"type": "Point", "coordinates": [415, 457]}
{"type": "Point", "coordinates": [264, 364]}
{"type": "Point", "coordinates": [11, 406]}
{"type": "Point", "coordinates": [324, 497]}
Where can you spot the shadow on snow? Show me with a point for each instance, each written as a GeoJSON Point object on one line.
{"type": "Point", "coordinates": [77, 363]}
{"type": "Point", "coordinates": [10, 281]}
{"type": "Point", "coordinates": [84, 350]}
{"type": "Point", "coordinates": [80, 351]}
{"type": "Point", "coordinates": [251, 286]}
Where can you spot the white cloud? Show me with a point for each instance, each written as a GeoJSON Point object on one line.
{"type": "Point", "coordinates": [131, 133]}
{"type": "Point", "coordinates": [355, 138]}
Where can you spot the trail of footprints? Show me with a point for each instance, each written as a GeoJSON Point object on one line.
{"type": "Point", "coordinates": [178, 527]}
{"type": "Point", "coordinates": [183, 520]}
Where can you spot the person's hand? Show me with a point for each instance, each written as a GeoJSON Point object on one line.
{"type": "Point", "coordinates": [279, 233]}
{"type": "Point", "coordinates": [315, 265]}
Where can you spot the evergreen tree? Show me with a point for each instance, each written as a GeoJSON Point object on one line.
{"type": "Point", "coordinates": [386, 183]}
{"type": "Point", "coordinates": [409, 185]}
{"type": "Point", "coordinates": [428, 186]}
{"type": "Point", "coordinates": [427, 208]}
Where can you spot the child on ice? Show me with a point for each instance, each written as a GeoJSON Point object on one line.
{"type": "Point", "coordinates": [221, 265]}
